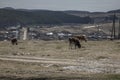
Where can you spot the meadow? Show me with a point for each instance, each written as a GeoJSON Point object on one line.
{"type": "Point", "coordinates": [53, 60]}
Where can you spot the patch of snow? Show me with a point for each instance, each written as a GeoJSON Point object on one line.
{"type": "Point", "coordinates": [89, 27]}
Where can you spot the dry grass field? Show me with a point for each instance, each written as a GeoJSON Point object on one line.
{"type": "Point", "coordinates": [53, 60]}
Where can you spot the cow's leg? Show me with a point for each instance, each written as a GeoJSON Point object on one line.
{"type": "Point", "coordinates": [16, 43]}
{"type": "Point", "coordinates": [69, 45]}
{"type": "Point", "coordinates": [12, 43]}
{"type": "Point", "coordinates": [75, 46]}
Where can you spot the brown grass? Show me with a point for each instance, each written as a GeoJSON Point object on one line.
{"type": "Point", "coordinates": [60, 49]}
{"type": "Point", "coordinates": [90, 51]}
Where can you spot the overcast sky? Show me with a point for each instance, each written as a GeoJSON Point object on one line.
{"type": "Point", "coordinates": [84, 5]}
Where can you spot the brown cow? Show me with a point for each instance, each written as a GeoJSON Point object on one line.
{"type": "Point", "coordinates": [81, 37]}
{"type": "Point", "coordinates": [14, 41]}
{"type": "Point", "coordinates": [74, 42]}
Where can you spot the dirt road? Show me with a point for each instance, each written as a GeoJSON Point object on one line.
{"type": "Point", "coordinates": [81, 65]}
{"type": "Point", "coordinates": [39, 60]}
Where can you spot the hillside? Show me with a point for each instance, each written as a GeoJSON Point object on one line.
{"type": "Point", "coordinates": [116, 11]}
{"type": "Point", "coordinates": [93, 14]}
{"type": "Point", "coordinates": [98, 17]}
{"type": "Point", "coordinates": [9, 17]}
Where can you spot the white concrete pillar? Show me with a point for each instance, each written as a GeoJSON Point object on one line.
{"type": "Point", "coordinates": [25, 33]}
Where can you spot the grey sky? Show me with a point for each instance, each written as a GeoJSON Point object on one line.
{"type": "Point", "coordinates": [86, 5]}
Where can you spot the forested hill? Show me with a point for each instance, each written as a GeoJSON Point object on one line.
{"type": "Point", "coordinates": [10, 17]}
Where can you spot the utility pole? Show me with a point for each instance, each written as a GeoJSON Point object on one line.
{"type": "Point", "coordinates": [113, 35]}
{"type": "Point", "coordinates": [119, 30]}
